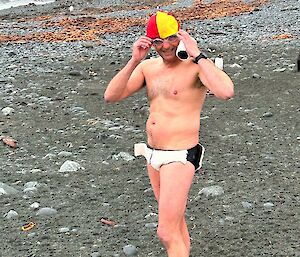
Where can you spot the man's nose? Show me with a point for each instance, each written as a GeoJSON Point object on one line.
{"type": "Point", "coordinates": [166, 44]}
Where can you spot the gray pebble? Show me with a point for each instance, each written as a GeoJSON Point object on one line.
{"type": "Point", "coordinates": [268, 205]}
{"type": "Point", "coordinates": [247, 205]}
{"type": "Point", "coordinates": [267, 114]}
{"type": "Point", "coordinates": [46, 212]}
{"type": "Point", "coordinates": [151, 225]}
{"type": "Point", "coordinates": [130, 250]}
{"type": "Point", "coordinates": [5, 189]}
{"type": "Point", "coordinates": [70, 166]}
{"type": "Point", "coordinates": [96, 254]}
{"type": "Point", "coordinates": [11, 215]}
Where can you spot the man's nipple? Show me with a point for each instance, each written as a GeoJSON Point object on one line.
{"type": "Point", "coordinates": [175, 92]}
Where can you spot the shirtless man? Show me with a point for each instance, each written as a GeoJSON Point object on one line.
{"type": "Point", "coordinates": [176, 91]}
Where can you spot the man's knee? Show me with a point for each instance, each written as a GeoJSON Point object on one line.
{"type": "Point", "coordinates": [167, 234]}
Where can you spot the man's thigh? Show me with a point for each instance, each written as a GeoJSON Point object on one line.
{"type": "Point", "coordinates": [175, 182]}
{"type": "Point", "coordinates": [154, 180]}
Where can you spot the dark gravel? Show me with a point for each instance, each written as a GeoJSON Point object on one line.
{"type": "Point", "coordinates": [252, 141]}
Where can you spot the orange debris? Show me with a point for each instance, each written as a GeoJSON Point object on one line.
{"type": "Point", "coordinates": [88, 28]}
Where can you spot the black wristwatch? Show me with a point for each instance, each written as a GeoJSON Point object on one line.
{"type": "Point", "coordinates": [200, 56]}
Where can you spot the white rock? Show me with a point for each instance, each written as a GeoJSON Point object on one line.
{"type": "Point", "coordinates": [151, 214]}
{"type": "Point", "coordinates": [35, 171]}
{"type": "Point", "coordinates": [30, 184]}
{"type": "Point", "coordinates": [123, 155]}
{"type": "Point", "coordinates": [11, 215]}
{"type": "Point", "coordinates": [7, 111]}
{"type": "Point", "coordinates": [65, 154]}
{"type": "Point", "coordinates": [235, 65]}
{"type": "Point", "coordinates": [63, 230]}
{"type": "Point", "coordinates": [151, 225]}
{"type": "Point", "coordinates": [49, 156]}
{"type": "Point", "coordinates": [35, 205]}
{"type": "Point", "coordinates": [212, 191]}
{"type": "Point", "coordinates": [30, 190]}
{"type": "Point", "coordinates": [268, 205]}
{"type": "Point", "coordinates": [2, 191]}
{"type": "Point", "coordinates": [246, 205]}
{"type": "Point", "coordinates": [70, 166]}
{"type": "Point", "coordinates": [7, 189]}
{"type": "Point", "coordinates": [279, 70]}
{"type": "Point", "coordinates": [46, 212]}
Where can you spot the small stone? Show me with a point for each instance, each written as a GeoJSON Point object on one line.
{"type": "Point", "coordinates": [88, 44]}
{"type": "Point", "coordinates": [11, 215]}
{"type": "Point", "coordinates": [70, 166]}
{"type": "Point", "coordinates": [65, 154]}
{"type": "Point", "coordinates": [151, 214]}
{"type": "Point", "coordinates": [235, 65]}
{"type": "Point", "coordinates": [246, 205]}
{"type": "Point", "coordinates": [30, 190]}
{"type": "Point", "coordinates": [151, 225]}
{"type": "Point", "coordinates": [63, 230]}
{"type": "Point", "coordinates": [46, 212]}
{"type": "Point", "coordinates": [96, 254]}
{"type": "Point", "coordinates": [30, 235]}
{"type": "Point", "coordinates": [75, 73]}
{"type": "Point", "coordinates": [123, 155]}
{"type": "Point", "coordinates": [256, 76]}
{"type": "Point", "coordinates": [35, 205]}
{"type": "Point", "coordinates": [130, 250]}
{"type": "Point", "coordinates": [7, 111]}
{"type": "Point", "coordinates": [279, 70]}
{"type": "Point", "coordinates": [2, 191]}
{"type": "Point", "coordinates": [268, 205]}
{"type": "Point", "coordinates": [5, 189]}
{"type": "Point", "coordinates": [30, 184]}
{"type": "Point", "coordinates": [267, 114]}
{"type": "Point", "coordinates": [212, 191]}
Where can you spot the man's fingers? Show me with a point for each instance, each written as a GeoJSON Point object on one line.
{"type": "Point", "coordinates": [144, 42]}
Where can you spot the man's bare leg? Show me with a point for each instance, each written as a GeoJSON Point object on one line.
{"type": "Point", "coordinates": [185, 234]}
{"type": "Point", "coordinates": [171, 190]}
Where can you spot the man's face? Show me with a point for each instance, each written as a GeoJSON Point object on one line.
{"type": "Point", "coordinates": [166, 48]}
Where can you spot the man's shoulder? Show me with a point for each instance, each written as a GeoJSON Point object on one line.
{"type": "Point", "coordinates": [150, 61]}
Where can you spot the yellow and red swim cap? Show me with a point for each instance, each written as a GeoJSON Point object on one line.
{"type": "Point", "coordinates": [162, 25]}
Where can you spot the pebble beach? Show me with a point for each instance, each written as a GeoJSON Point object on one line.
{"type": "Point", "coordinates": [69, 183]}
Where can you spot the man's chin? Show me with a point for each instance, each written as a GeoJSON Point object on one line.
{"type": "Point", "coordinates": [169, 56]}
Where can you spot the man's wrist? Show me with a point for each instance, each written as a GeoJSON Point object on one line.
{"type": "Point", "coordinates": [201, 55]}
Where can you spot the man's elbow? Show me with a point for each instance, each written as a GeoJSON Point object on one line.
{"type": "Point", "coordinates": [226, 94]}
{"type": "Point", "coordinates": [108, 98]}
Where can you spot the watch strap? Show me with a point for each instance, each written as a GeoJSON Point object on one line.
{"type": "Point", "coordinates": [200, 56]}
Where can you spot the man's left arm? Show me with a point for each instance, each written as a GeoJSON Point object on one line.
{"type": "Point", "coordinates": [217, 81]}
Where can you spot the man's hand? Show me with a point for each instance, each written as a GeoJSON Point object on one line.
{"type": "Point", "coordinates": [141, 48]}
{"type": "Point", "coordinates": [189, 42]}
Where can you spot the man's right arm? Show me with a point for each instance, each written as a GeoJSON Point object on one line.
{"type": "Point", "coordinates": [131, 78]}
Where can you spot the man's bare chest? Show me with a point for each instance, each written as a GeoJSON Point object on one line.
{"type": "Point", "coordinates": [171, 85]}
